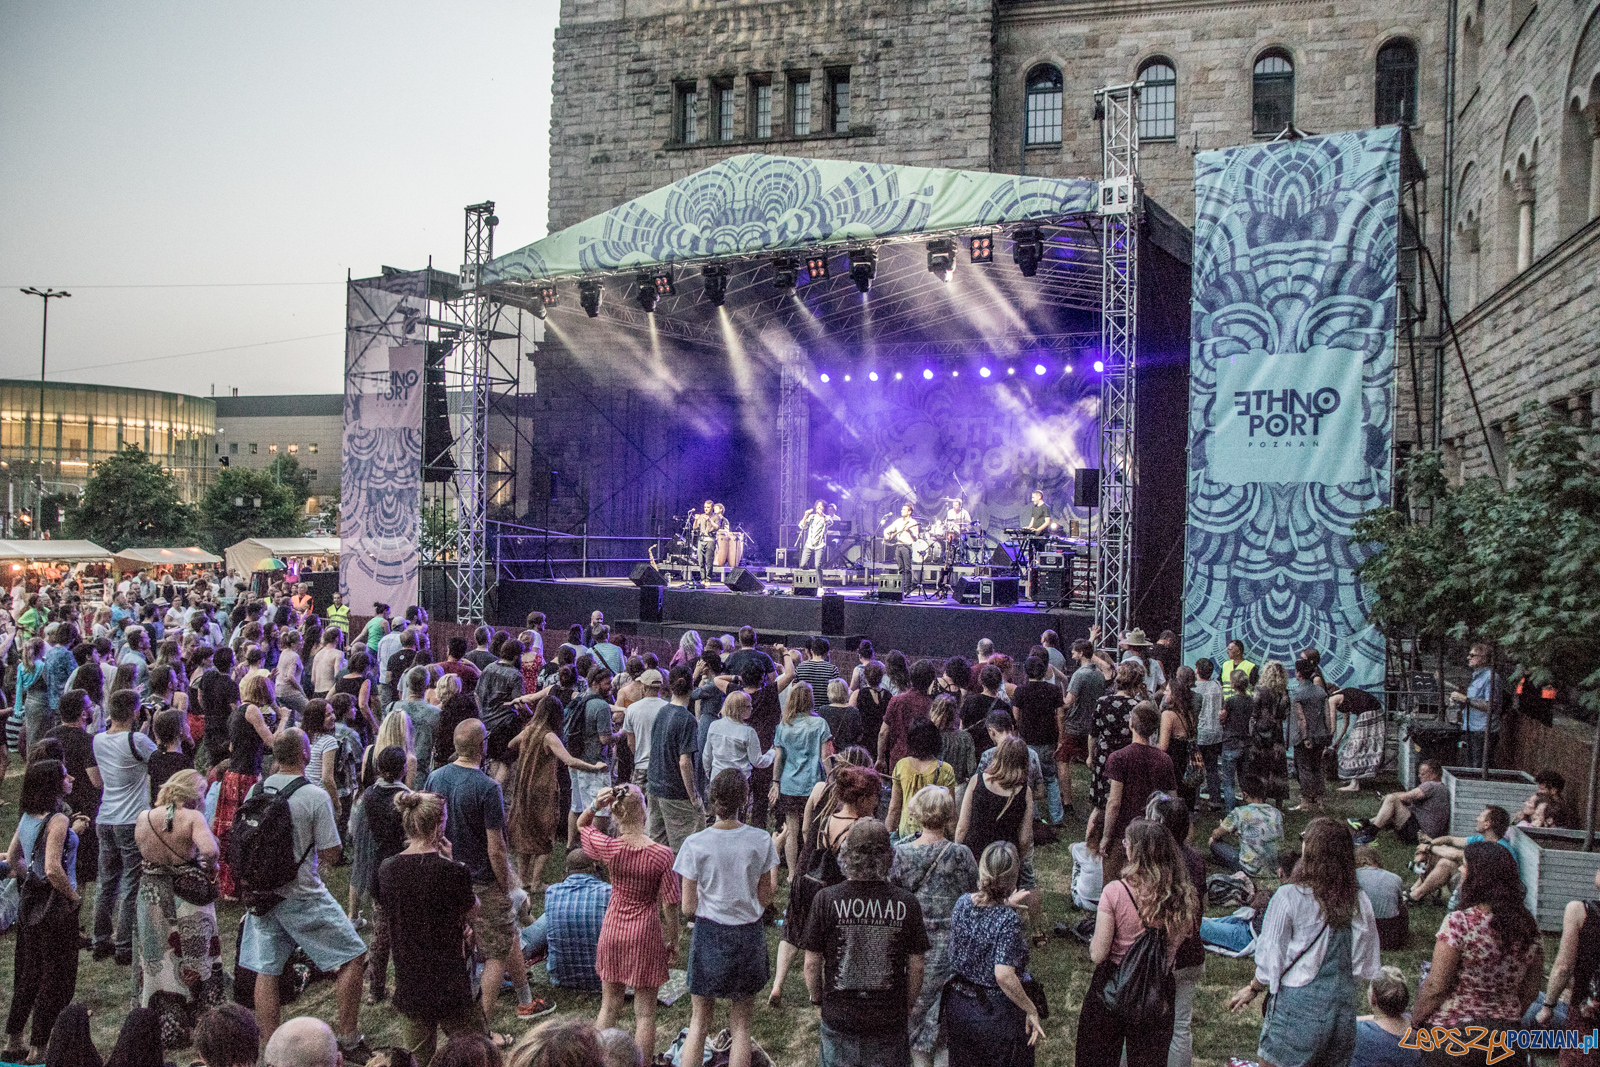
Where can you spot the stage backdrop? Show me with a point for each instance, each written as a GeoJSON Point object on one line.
{"type": "Point", "coordinates": [1291, 396]}
{"type": "Point", "coordinates": [380, 494]}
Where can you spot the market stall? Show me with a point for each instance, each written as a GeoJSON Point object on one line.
{"type": "Point", "coordinates": [312, 553]}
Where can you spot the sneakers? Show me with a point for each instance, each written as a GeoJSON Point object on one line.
{"type": "Point", "coordinates": [1365, 839]}
{"type": "Point", "coordinates": [536, 1008]}
{"type": "Point", "coordinates": [356, 1052]}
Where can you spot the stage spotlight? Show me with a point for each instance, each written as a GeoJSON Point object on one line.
{"type": "Point", "coordinates": [817, 265]}
{"type": "Point", "coordinates": [1038, 368]}
{"type": "Point", "coordinates": [1069, 368]}
{"type": "Point", "coordinates": [898, 376]}
{"type": "Point", "coordinates": [847, 377]}
{"type": "Point", "coordinates": [1011, 370]}
{"type": "Point", "coordinates": [955, 374]}
{"type": "Point", "coordinates": [589, 292]}
{"type": "Point", "coordinates": [663, 280]}
{"type": "Point", "coordinates": [785, 272]}
{"type": "Point", "coordinates": [982, 248]}
{"type": "Point", "coordinates": [824, 379]}
{"type": "Point", "coordinates": [547, 293]}
{"type": "Point", "coordinates": [872, 376]}
{"type": "Point", "coordinates": [1027, 249]}
{"type": "Point", "coordinates": [927, 374]}
{"type": "Point", "coordinates": [942, 259]}
{"type": "Point", "coordinates": [647, 293]}
{"type": "Point", "coordinates": [983, 372]}
{"type": "Point", "coordinates": [716, 282]}
{"type": "Point", "coordinates": [1099, 367]}
{"type": "Point", "coordinates": [863, 267]}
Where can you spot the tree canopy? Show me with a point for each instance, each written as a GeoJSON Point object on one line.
{"type": "Point", "coordinates": [229, 512]}
{"type": "Point", "coordinates": [130, 502]}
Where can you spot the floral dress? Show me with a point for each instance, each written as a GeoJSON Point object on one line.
{"type": "Point", "coordinates": [1110, 731]}
{"type": "Point", "coordinates": [938, 874]}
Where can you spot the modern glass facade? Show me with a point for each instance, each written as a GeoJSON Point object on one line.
{"type": "Point", "coordinates": [84, 424]}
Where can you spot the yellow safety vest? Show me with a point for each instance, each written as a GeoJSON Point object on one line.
{"type": "Point", "coordinates": [339, 617]}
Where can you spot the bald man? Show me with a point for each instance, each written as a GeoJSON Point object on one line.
{"type": "Point", "coordinates": [303, 1042]}
{"type": "Point", "coordinates": [475, 821]}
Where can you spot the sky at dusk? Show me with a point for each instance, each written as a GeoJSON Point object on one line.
{"type": "Point", "coordinates": [201, 176]}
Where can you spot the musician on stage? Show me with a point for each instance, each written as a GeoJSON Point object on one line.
{"type": "Point", "coordinates": [1039, 517]}
{"type": "Point", "coordinates": [957, 516]}
{"type": "Point", "coordinates": [901, 533]}
{"type": "Point", "coordinates": [706, 526]}
{"type": "Point", "coordinates": [813, 537]}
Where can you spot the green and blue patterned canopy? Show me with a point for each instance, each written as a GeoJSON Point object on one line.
{"type": "Point", "coordinates": [754, 204]}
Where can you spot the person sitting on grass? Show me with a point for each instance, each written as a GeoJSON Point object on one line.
{"type": "Point", "coordinates": [1378, 1035]}
{"type": "Point", "coordinates": [1259, 827]}
{"type": "Point", "coordinates": [567, 935]}
{"type": "Point", "coordinates": [1413, 814]}
{"type": "Point", "coordinates": [1443, 854]}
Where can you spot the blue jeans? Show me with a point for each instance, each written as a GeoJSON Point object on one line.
{"type": "Point", "coordinates": [1230, 932]}
{"type": "Point", "coordinates": [1225, 856]}
{"type": "Point", "coordinates": [1208, 756]}
{"type": "Point", "coordinates": [889, 1047]}
{"type": "Point", "coordinates": [1052, 784]}
{"type": "Point", "coordinates": [119, 887]}
{"type": "Point", "coordinates": [536, 938]}
{"type": "Point", "coordinates": [1228, 770]}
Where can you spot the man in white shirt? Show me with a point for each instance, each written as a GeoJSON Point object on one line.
{"type": "Point", "coordinates": [123, 756]}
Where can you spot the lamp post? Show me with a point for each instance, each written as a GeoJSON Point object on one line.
{"type": "Point", "coordinates": [46, 295]}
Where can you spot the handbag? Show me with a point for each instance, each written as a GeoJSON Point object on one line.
{"type": "Point", "coordinates": [1142, 989]}
{"type": "Point", "coordinates": [1194, 774]}
{"type": "Point", "coordinates": [1035, 990]}
{"type": "Point", "coordinates": [36, 895]}
{"type": "Point", "coordinates": [191, 882]}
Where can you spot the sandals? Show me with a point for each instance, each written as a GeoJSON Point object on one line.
{"type": "Point", "coordinates": [502, 1041]}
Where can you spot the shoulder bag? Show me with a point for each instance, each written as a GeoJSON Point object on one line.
{"type": "Point", "coordinates": [1266, 1001]}
{"type": "Point", "coordinates": [37, 895]}
{"type": "Point", "coordinates": [191, 882]}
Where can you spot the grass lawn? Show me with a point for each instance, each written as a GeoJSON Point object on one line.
{"type": "Point", "coordinates": [789, 1035]}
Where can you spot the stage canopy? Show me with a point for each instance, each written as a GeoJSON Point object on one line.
{"type": "Point", "coordinates": [244, 556]}
{"type": "Point", "coordinates": [54, 551]}
{"type": "Point", "coordinates": [136, 558]}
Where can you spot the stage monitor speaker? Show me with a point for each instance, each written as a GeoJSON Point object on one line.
{"type": "Point", "coordinates": [1086, 487]}
{"type": "Point", "coordinates": [832, 613]}
{"type": "Point", "coordinates": [889, 587]}
{"type": "Point", "coordinates": [1002, 557]}
{"type": "Point", "coordinates": [966, 589]}
{"type": "Point", "coordinates": [645, 574]}
{"type": "Point", "coordinates": [781, 558]}
{"type": "Point", "coordinates": [650, 600]}
{"type": "Point", "coordinates": [742, 581]}
{"type": "Point", "coordinates": [997, 592]}
{"type": "Point", "coordinates": [805, 583]}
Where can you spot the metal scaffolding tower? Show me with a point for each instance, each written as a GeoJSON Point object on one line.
{"type": "Point", "coordinates": [1117, 106]}
{"type": "Point", "coordinates": [794, 446]}
{"type": "Point", "coordinates": [474, 312]}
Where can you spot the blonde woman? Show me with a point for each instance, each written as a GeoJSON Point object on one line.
{"type": "Point", "coordinates": [394, 732]}
{"type": "Point", "coordinates": [731, 744]}
{"type": "Point", "coordinates": [396, 729]}
{"type": "Point", "coordinates": [988, 1019]}
{"type": "Point", "coordinates": [802, 742]}
{"type": "Point", "coordinates": [1153, 894]}
{"type": "Point", "coordinates": [179, 953]}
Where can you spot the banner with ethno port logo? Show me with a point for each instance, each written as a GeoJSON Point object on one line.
{"type": "Point", "coordinates": [1291, 396]}
{"type": "Point", "coordinates": [380, 494]}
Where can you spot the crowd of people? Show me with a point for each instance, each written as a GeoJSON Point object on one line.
{"type": "Point", "coordinates": [184, 747]}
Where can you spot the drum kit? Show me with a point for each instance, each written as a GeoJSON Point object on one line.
{"type": "Point", "coordinates": [949, 542]}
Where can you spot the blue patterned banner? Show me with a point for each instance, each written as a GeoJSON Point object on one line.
{"type": "Point", "coordinates": [1291, 396]}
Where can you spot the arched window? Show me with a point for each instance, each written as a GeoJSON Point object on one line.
{"type": "Point", "coordinates": [1272, 97]}
{"type": "Point", "coordinates": [1044, 105]}
{"type": "Point", "coordinates": [1396, 96]}
{"type": "Point", "coordinates": [1158, 101]}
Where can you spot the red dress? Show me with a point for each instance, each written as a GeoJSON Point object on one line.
{"type": "Point", "coordinates": [631, 949]}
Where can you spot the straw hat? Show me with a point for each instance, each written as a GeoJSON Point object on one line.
{"type": "Point", "coordinates": [1136, 639]}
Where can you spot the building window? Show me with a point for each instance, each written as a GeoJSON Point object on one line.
{"type": "Point", "coordinates": [312, 448]}
{"type": "Point", "coordinates": [1272, 109]}
{"type": "Point", "coordinates": [722, 110]}
{"type": "Point", "coordinates": [1396, 96]}
{"type": "Point", "coordinates": [688, 119]}
{"type": "Point", "coordinates": [1044, 105]}
{"type": "Point", "coordinates": [233, 448]}
{"type": "Point", "coordinates": [253, 448]}
{"type": "Point", "coordinates": [1158, 101]}
{"type": "Point", "coordinates": [839, 101]}
{"type": "Point", "coordinates": [273, 449]}
{"type": "Point", "coordinates": [800, 105]}
{"type": "Point", "coordinates": [760, 106]}
{"type": "Point", "coordinates": [294, 450]}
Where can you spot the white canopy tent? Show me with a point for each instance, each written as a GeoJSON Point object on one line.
{"type": "Point", "coordinates": [247, 554]}
{"type": "Point", "coordinates": [135, 559]}
{"type": "Point", "coordinates": [54, 551]}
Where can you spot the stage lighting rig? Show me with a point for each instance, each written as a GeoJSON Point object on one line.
{"type": "Point", "coordinates": [981, 245]}
{"type": "Point", "coordinates": [663, 282]}
{"type": "Point", "coordinates": [547, 293]}
{"type": "Point", "coordinates": [716, 282]}
{"type": "Point", "coordinates": [817, 265]}
{"type": "Point", "coordinates": [785, 272]}
{"type": "Point", "coordinates": [1027, 249]}
{"type": "Point", "coordinates": [647, 293]}
{"type": "Point", "coordinates": [589, 292]}
{"type": "Point", "coordinates": [942, 259]}
{"type": "Point", "coordinates": [863, 267]}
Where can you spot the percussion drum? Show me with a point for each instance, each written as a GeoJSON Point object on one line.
{"type": "Point", "coordinates": [735, 547]}
{"type": "Point", "coordinates": [723, 539]}
{"type": "Point", "coordinates": [919, 549]}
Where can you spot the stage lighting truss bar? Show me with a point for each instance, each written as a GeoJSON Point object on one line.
{"type": "Point", "coordinates": [476, 314]}
{"type": "Point", "coordinates": [1119, 227]}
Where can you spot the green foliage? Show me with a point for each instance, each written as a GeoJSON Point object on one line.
{"type": "Point", "coordinates": [130, 502]}
{"type": "Point", "coordinates": [439, 529]}
{"type": "Point", "coordinates": [1515, 565]}
{"type": "Point", "coordinates": [228, 513]}
{"type": "Point", "coordinates": [329, 513]}
{"type": "Point", "coordinates": [286, 472]}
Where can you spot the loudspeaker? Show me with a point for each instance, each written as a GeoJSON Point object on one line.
{"type": "Point", "coordinates": [1002, 557]}
{"type": "Point", "coordinates": [781, 559]}
{"type": "Point", "coordinates": [832, 613]}
{"type": "Point", "coordinates": [805, 583]}
{"type": "Point", "coordinates": [997, 592]}
{"type": "Point", "coordinates": [889, 587]}
{"type": "Point", "coordinates": [1086, 487]}
{"type": "Point", "coordinates": [323, 585]}
{"type": "Point", "coordinates": [966, 589]}
{"type": "Point", "coordinates": [644, 574]}
{"type": "Point", "coordinates": [1047, 586]}
{"type": "Point", "coordinates": [437, 463]}
{"type": "Point", "coordinates": [650, 599]}
{"type": "Point", "coordinates": [742, 581]}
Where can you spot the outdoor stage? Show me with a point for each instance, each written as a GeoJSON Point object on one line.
{"type": "Point", "coordinates": [916, 627]}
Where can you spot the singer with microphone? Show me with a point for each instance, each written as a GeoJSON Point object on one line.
{"type": "Point", "coordinates": [813, 536]}
{"type": "Point", "coordinates": [901, 533]}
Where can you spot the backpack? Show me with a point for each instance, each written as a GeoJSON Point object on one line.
{"type": "Point", "coordinates": [575, 723]}
{"type": "Point", "coordinates": [261, 846]}
{"type": "Point", "coordinates": [1141, 990]}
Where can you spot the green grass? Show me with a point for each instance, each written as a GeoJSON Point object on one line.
{"type": "Point", "coordinates": [789, 1035]}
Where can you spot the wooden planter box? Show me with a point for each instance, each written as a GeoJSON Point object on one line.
{"type": "Point", "coordinates": [1555, 869]}
{"type": "Point", "coordinates": [1470, 794]}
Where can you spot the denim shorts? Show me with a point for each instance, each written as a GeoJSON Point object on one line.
{"type": "Point", "coordinates": [316, 923]}
{"type": "Point", "coordinates": [728, 962]}
{"type": "Point", "coordinates": [586, 786]}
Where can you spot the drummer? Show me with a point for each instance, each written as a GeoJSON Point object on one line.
{"type": "Point", "coordinates": [957, 518]}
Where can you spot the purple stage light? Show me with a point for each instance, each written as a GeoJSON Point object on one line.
{"type": "Point", "coordinates": [847, 377]}
{"type": "Point", "coordinates": [955, 374]}
{"type": "Point", "coordinates": [824, 379]}
{"type": "Point", "coordinates": [983, 372]}
{"type": "Point", "coordinates": [927, 374]}
{"type": "Point", "coordinates": [898, 376]}
{"type": "Point", "coordinates": [1099, 367]}
{"type": "Point", "coordinates": [1038, 368]}
{"type": "Point", "coordinates": [873, 376]}
{"type": "Point", "coordinates": [1011, 370]}
{"type": "Point", "coordinates": [1069, 368]}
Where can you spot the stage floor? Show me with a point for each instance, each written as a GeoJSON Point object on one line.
{"type": "Point", "coordinates": [917, 626]}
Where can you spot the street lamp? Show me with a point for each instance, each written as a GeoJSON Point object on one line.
{"type": "Point", "coordinates": [44, 341]}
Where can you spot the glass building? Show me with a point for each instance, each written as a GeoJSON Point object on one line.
{"type": "Point", "coordinates": [85, 424]}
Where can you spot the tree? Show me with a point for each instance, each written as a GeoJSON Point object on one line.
{"type": "Point", "coordinates": [229, 512]}
{"type": "Point", "coordinates": [285, 471]}
{"type": "Point", "coordinates": [329, 514]}
{"type": "Point", "coordinates": [130, 502]}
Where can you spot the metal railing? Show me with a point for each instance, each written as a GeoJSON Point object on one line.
{"type": "Point", "coordinates": [532, 552]}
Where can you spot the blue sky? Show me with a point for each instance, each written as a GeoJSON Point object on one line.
{"type": "Point", "coordinates": [145, 148]}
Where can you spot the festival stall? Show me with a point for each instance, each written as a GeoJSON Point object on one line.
{"type": "Point", "coordinates": [311, 553]}
{"type": "Point", "coordinates": [146, 559]}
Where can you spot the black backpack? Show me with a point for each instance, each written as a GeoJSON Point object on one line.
{"type": "Point", "coordinates": [261, 846]}
{"type": "Point", "coordinates": [575, 724]}
{"type": "Point", "coordinates": [1141, 990]}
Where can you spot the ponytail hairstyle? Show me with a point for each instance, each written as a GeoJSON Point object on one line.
{"type": "Point", "coordinates": [421, 815]}
{"type": "Point", "coordinates": [998, 869]}
{"type": "Point", "coordinates": [729, 791]}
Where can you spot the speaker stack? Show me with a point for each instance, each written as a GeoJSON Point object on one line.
{"type": "Point", "coordinates": [741, 580]}
{"type": "Point", "coordinates": [652, 590]}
